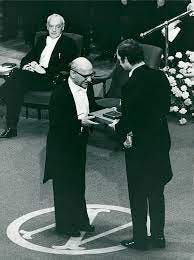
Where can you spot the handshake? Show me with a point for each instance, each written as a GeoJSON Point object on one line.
{"type": "Point", "coordinates": [34, 67]}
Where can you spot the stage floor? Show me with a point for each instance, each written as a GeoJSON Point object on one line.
{"type": "Point", "coordinates": [32, 236]}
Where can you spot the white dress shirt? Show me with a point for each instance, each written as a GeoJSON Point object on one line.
{"type": "Point", "coordinates": [80, 98]}
{"type": "Point", "coordinates": [135, 67]}
{"type": "Point", "coordinates": [46, 53]}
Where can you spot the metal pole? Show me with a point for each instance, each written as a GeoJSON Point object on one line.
{"type": "Point", "coordinates": [166, 45]}
{"type": "Point", "coordinates": [162, 25]}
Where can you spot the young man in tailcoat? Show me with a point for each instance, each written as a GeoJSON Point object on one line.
{"type": "Point", "coordinates": [143, 129]}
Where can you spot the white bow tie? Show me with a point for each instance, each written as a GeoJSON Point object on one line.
{"type": "Point", "coordinates": [50, 41]}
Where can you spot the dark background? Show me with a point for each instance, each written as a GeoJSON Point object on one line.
{"type": "Point", "coordinates": [106, 22]}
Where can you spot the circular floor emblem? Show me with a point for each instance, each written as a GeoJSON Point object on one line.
{"type": "Point", "coordinates": [72, 246]}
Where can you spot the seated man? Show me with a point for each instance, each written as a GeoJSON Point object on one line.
{"type": "Point", "coordinates": [50, 55]}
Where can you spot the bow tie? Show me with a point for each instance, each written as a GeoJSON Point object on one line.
{"type": "Point", "coordinates": [50, 41]}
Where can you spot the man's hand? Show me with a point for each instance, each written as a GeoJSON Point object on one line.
{"type": "Point", "coordinates": [113, 124]}
{"type": "Point", "coordinates": [124, 2]}
{"type": "Point", "coordinates": [128, 142]}
{"type": "Point", "coordinates": [39, 69]}
{"type": "Point", "coordinates": [160, 3]}
{"type": "Point", "coordinates": [34, 67]}
{"type": "Point", "coordinates": [190, 7]}
{"type": "Point", "coordinates": [87, 121]}
{"type": "Point", "coordinates": [28, 67]}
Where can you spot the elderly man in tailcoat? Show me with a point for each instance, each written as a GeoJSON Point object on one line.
{"type": "Point", "coordinates": [51, 54]}
{"type": "Point", "coordinates": [144, 132]}
{"type": "Point", "coordinates": [69, 125]}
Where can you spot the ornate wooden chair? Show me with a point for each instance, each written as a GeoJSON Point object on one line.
{"type": "Point", "coordinates": [152, 55]}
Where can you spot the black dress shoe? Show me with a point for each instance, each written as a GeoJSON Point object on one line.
{"type": "Point", "coordinates": [74, 233]}
{"type": "Point", "coordinates": [134, 245]}
{"type": "Point", "coordinates": [8, 133]}
{"type": "Point", "coordinates": [70, 233]}
{"type": "Point", "coordinates": [158, 242]}
{"type": "Point", "coordinates": [88, 228]}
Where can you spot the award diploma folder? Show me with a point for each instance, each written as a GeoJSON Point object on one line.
{"type": "Point", "coordinates": [101, 118]}
{"type": "Point", "coordinates": [112, 114]}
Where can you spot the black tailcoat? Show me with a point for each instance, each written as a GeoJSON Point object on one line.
{"type": "Point", "coordinates": [21, 81]}
{"type": "Point", "coordinates": [66, 158]}
{"type": "Point", "coordinates": [145, 103]}
{"type": "Point", "coordinates": [64, 52]}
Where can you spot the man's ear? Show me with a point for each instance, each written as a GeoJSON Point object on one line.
{"type": "Point", "coordinates": [72, 74]}
{"type": "Point", "coordinates": [126, 60]}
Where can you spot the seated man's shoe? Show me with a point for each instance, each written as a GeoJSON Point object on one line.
{"type": "Point", "coordinates": [8, 133]}
{"type": "Point", "coordinates": [135, 245]}
{"type": "Point", "coordinates": [158, 242]}
{"type": "Point", "coordinates": [88, 228]}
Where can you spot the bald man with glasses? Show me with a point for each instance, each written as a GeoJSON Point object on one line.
{"type": "Point", "coordinates": [85, 76]}
{"type": "Point", "coordinates": [69, 126]}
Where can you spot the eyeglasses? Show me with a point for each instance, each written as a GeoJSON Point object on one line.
{"type": "Point", "coordinates": [57, 27]}
{"type": "Point", "coordinates": [87, 75]}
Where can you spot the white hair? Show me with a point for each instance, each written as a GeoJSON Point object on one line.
{"type": "Point", "coordinates": [57, 16]}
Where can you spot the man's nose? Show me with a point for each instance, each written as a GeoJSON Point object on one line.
{"type": "Point", "coordinates": [54, 29]}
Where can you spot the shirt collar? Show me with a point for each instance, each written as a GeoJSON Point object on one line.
{"type": "Point", "coordinates": [135, 67]}
{"type": "Point", "coordinates": [51, 40]}
{"type": "Point", "coordinates": [74, 87]}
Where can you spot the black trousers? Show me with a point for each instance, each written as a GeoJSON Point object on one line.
{"type": "Point", "coordinates": [13, 90]}
{"type": "Point", "coordinates": [69, 193]}
{"type": "Point", "coordinates": [146, 199]}
{"type": "Point", "coordinates": [70, 207]}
